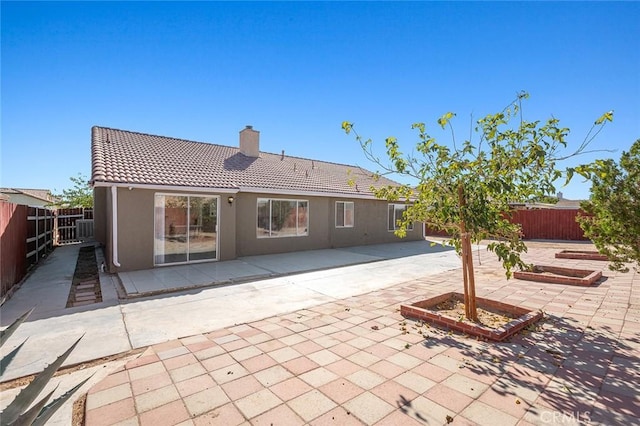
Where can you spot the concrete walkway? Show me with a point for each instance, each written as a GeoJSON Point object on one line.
{"type": "Point", "coordinates": [357, 361]}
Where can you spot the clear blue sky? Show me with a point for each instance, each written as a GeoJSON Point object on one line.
{"type": "Point", "coordinates": [295, 71]}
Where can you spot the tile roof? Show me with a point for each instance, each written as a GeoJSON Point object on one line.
{"type": "Point", "coordinates": [126, 157]}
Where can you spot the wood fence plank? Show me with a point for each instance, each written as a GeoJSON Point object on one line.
{"type": "Point", "coordinates": [544, 224]}
{"type": "Point", "coordinates": [13, 246]}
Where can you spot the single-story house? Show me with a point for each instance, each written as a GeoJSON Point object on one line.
{"type": "Point", "coordinates": [28, 197]}
{"type": "Point", "coordinates": [162, 201]}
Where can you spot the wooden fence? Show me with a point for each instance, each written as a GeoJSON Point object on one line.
{"type": "Point", "coordinates": [26, 236]}
{"type": "Point", "coordinates": [40, 236]}
{"type": "Point", "coordinates": [74, 225]}
{"type": "Point", "coordinates": [544, 224]}
{"type": "Point", "coordinates": [549, 224]}
{"type": "Point", "coordinates": [29, 233]}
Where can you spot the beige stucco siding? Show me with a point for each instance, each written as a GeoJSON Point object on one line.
{"type": "Point", "coordinates": [237, 226]}
{"type": "Point", "coordinates": [248, 243]}
{"type": "Point", "coordinates": [370, 226]}
{"type": "Point", "coordinates": [227, 228]}
{"type": "Point", "coordinates": [136, 227]}
{"type": "Point", "coordinates": [100, 215]}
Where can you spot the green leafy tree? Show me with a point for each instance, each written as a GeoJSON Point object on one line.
{"type": "Point", "coordinates": [79, 195]}
{"type": "Point", "coordinates": [612, 213]}
{"type": "Point", "coordinates": [466, 189]}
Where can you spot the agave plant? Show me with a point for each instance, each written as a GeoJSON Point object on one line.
{"type": "Point", "coordinates": [18, 412]}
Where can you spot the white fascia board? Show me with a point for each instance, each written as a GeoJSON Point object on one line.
{"type": "Point", "coordinates": [276, 191]}
{"type": "Point", "coordinates": [167, 188]}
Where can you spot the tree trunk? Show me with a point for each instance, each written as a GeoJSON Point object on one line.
{"type": "Point", "coordinates": [468, 276]}
{"type": "Point", "coordinates": [472, 313]}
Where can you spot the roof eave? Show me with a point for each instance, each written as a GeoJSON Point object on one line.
{"type": "Point", "coordinates": [255, 190]}
{"type": "Point", "coordinates": [333, 194]}
{"type": "Point", "coordinates": [105, 184]}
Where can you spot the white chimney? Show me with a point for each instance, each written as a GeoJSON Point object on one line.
{"type": "Point", "coordinates": [560, 195]}
{"type": "Point", "coordinates": [250, 142]}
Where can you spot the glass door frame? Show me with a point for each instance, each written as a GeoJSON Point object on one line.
{"type": "Point", "coordinates": [155, 227]}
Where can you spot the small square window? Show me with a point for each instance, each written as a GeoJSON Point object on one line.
{"type": "Point", "coordinates": [395, 216]}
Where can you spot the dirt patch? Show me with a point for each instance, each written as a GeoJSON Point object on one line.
{"type": "Point", "coordinates": [25, 380]}
{"type": "Point", "coordinates": [85, 287]}
{"type": "Point", "coordinates": [454, 308]}
{"type": "Point", "coordinates": [79, 405]}
{"type": "Point", "coordinates": [581, 255]}
{"type": "Point", "coordinates": [559, 275]}
{"type": "Point", "coordinates": [77, 415]}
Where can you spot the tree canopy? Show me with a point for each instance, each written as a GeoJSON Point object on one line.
{"type": "Point", "coordinates": [79, 195]}
{"type": "Point", "coordinates": [612, 213]}
{"type": "Point", "coordinates": [466, 189]}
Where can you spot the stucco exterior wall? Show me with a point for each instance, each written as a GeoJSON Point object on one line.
{"type": "Point", "coordinates": [136, 227]}
{"type": "Point", "coordinates": [237, 226]}
{"type": "Point", "coordinates": [100, 215]}
{"type": "Point", "coordinates": [248, 243]}
{"type": "Point", "coordinates": [227, 227]}
{"type": "Point", "coordinates": [370, 226]}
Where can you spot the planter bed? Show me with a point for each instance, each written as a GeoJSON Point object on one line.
{"type": "Point", "coordinates": [581, 254]}
{"type": "Point", "coordinates": [427, 310]}
{"type": "Point", "coordinates": [559, 275]}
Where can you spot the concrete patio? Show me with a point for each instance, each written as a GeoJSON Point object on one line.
{"type": "Point", "coordinates": [252, 268]}
{"type": "Point", "coordinates": [347, 361]}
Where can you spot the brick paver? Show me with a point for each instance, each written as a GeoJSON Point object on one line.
{"type": "Point", "coordinates": [358, 361]}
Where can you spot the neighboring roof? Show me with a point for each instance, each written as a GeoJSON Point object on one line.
{"type": "Point", "coordinates": [564, 203]}
{"type": "Point", "coordinates": [40, 194]}
{"type": "Point", "coordinates": [125, 157]}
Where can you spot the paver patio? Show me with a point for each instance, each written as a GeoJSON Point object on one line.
{"type": "Point", "coordinates": [349, 362]}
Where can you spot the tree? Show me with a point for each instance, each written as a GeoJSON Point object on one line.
{"type": "Point", "coordinates": [612, 213]}
{"type": "Point", "coordinates": [80, 195]}
{"type": "Point", "coordinates": [466, 190]}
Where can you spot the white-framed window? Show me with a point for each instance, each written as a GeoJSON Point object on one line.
{"type": "Point", "coordinates": [282, 218]}
{"type": "Point", "coordinates": [395, 216]}
{"type": "Point", "coordinates": [344, 214]}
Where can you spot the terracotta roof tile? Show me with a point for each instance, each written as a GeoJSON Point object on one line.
{"type": "Point", "coordinates": [120, 156]}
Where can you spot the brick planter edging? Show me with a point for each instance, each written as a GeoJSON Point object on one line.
{"type": "Point", "coordinates": [420, 310]}
{"type": "Point", "coordinates": [570, 276]}
{"type": "Point", "coordinates": [581, 254]}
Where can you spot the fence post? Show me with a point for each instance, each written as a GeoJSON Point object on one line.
{"type": "Point", "coordinates": [37, 235]}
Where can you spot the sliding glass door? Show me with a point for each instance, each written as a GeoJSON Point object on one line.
{"type": "Point", "coordinates": [203, 219]}
{"type": "Point", "coordinates": [185, 228]}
